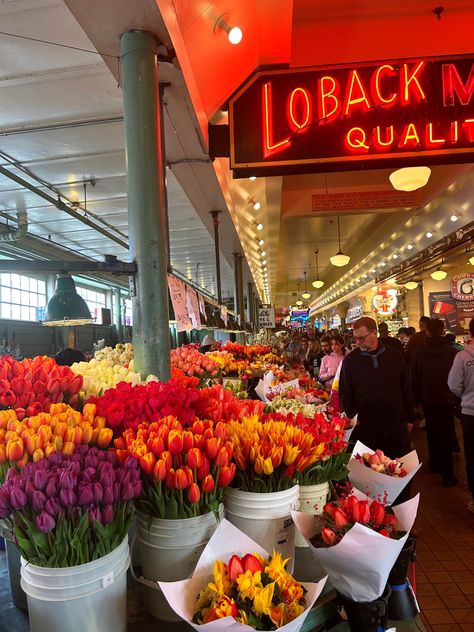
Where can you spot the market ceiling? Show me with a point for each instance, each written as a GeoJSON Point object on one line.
{"type": "Point", "coordinates": [55, 88]}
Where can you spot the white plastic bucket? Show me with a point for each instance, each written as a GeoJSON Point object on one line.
{"type": "Point", "coordinates": [169, 551]}
{"type": "Point", "coordinates": [266, 518]}
{"type": "Point", "coordinates": [312, 500]}
{"type": "Point", "coordinates": [90, 597]}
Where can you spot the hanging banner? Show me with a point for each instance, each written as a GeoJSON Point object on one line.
{"type": "Point", "coordinates": [192, 304]}
{"type": "Point", "coordinates": [224, 314]}
{"type": "Point", "coordinates": [202, 305]}
{"type": "Point", "coordinates": [455, 314]}
{"type": "Point", "coordinates": [177, 291]}
{"type": "Point", "coordinates": [358, 115]}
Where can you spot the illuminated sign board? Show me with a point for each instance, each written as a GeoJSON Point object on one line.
{"type": "Point", "coordinates": [300, 315]}
{"type": "Point", "coordinates": [369, 115]}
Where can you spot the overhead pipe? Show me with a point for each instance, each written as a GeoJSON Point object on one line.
{"type": "Point", "coordinates": [12, 235]}
{"type": "Point", "coordinates": [62, 206]}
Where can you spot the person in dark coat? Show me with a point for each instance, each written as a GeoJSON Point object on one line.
{"type": "Point", "coordinates": [430, 368]}
{"type": "Point", "coordinates": [417, 339]}
{"type": "Point", "coordinates": [374, 384]}
{"type": "Point", "coordinates": [389, 341]}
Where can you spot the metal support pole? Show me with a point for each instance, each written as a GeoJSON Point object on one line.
{"type": "Point", "coordinates": [238, 287]}
{"type": "Point", "coordinates": [215, 219]}
{"type": "Point", "coordinates": [118, 314]}
{"type": "Point", "coordinates": [146, 213]}
{"type": "Point", "coordinates": [250, 305]}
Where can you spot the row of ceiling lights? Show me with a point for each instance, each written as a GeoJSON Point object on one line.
{"type": "Point", "coordinates": [261, 242]}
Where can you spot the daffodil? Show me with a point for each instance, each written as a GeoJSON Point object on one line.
{"type": "Point", "coordinates": [221, 583]}
{"type": "Point", "coordinates": [249, 583]}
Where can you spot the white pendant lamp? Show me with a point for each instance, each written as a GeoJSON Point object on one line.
{"type": "Point", "coordinates": [410, 178]}
{"type": "Point", "coordinates": [306, 295]}
{"type": "Point", "coordinates": [318, 283]}
{"type": "Point", "coordinates": [438, 275]}
{"type": "Point", "coordinates": [339, 259]}
{"type": "Point", "coordinates": [411, 285]}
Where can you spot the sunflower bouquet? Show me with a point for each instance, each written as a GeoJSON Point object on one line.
{"type": "Point", "coordinates": [254, 590]}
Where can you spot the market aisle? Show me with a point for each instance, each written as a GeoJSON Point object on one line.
{"type": "Point", "coordinates": [445, 548]}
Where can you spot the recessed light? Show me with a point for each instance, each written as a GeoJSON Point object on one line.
{"type": "Point", "coordinates": [264, 254]}
{"type": "Point", "coordinates": [264, 262]}
{"type": "Point", "coordinates": [261, 242]}
{"type": "Point", "coordinates": [410, 247]}
{"type": "Point", "coordinates": [259, 226]}
{"type": "Point", "coordinates": [454, 217]}
{"type": "Point", "coordinates": [395, 256]}
{"type": "Point", "coordinates": [429, 234]}
{"type": "Point", "coordinates": [383, 264]}
{"type": "Point", "coordinates": [253, 178]}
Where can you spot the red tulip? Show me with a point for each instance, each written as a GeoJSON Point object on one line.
{"type": "Point", "coordinates": [175, 441]}
{"type": "Point", "coordinates": [235, 568]}
{"type": "Point", "coordinates": [34, 409]}
{"type": "Point", "coordinates": [329, 537]}
{"type": "Point", "coordinates": [195, 458]}
{"type": "Point", "coordinates": [329, 508]}
{"type": "Point", "coordinates": [340, 518]}
{"type": "Point", "coordinates": [170, 478]}
{"type": "Point", "coordinates": [226, 474]}
{"type": "Point", "coordinates": [188, 440]}
{"type": "Point", "coordinates": [53, 386]}
{"type": "Point", "coordinates": [207, 484]}
{"type": "Point", "coordinates": [377, 513]}
{"type": "Point", "coordinates": [181, 480]}
{"type": "Point", "coordinates": [8, 399]}
{"type": "Point", "coordinates": [204, 469]}
{"type": "Point", "coordinates": [212, 447]}
{"type": "Point", "coordinates": [222, 458]}
{"type": "Point", "coordinates": [194, 493]}
{"type": "Point", "coordinates": [159, 471]}
{"type": "Point", "coordinates": [362, 512]}
{"type": "Point", "coordinates": [251, 563]}
{"type": "Point", "coordinates": [18, 386]}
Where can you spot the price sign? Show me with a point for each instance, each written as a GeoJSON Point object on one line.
{"type": "Point", "coordinates": [192, 304]}
{"type": "Point", "coordinates": [177, 291]}
{"type": "Point", "coordinates": [266, 317]}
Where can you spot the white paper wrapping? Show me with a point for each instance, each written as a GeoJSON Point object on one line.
{"type": "Point", "coordinates": [350, 430]}
{"type": "Point", "coordinates": [264, 386]}
{"type": "Point", "coordinates": [226, 541]}
{"type": "Point", "coordinates": [359, 565]}
{"type": "Point", "coordinates": [375, 484]}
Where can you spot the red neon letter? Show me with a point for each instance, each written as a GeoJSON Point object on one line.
{"type": "Point", "coordinates": [454, 132]}
{"type": "Point", "coordinates": [452, 84]}
{"type": "Point", "coordinates": [469, 123]}
{"type": "Point", "coordinates": [328, 91]}
{"type": "Point", "coordinates": [410, 135]}
{"type": "Point", "coordinates": [269, 146]}
{"type": "Point", "coordinates": [356, 138]}
{"type": "Point", "coordinates": [389, 137]}
{"type": "Point", "coordinates": [375, 85]}
{"type": "Point", "coordinates": [429, 136]}
{"type": "Point", "coordinates": [362, 98]}
{"type": "Point", "coordinates": [409, 83]}
{"type": "Point", "coordinates": [305, 99]}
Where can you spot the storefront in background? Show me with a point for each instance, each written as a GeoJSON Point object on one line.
{"type": "Point", "coordinates": [451, 300]}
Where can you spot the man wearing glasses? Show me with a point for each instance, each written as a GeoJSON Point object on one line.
{"type": "Point", "coordinates": [374, 384]}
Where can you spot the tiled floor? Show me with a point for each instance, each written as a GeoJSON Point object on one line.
{"type": "Point", "coordinates": [445, 548]}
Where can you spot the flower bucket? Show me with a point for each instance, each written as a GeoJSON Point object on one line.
{"type": "Point", "coordinates": [265, 518]}
{"type": "Point", "coordinates": [169, 551]}
{"type": "Point", "coordinates": [312, 500]}
{"type": "Point", "coordinates": [14, 566]}
{"type": "Point", "coordinates": [92, 596]}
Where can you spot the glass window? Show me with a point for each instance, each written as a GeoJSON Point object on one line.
{"type": "Point", "coordinates": [95, 300]}
{"type": "Point", "coordinates": [20, 296]}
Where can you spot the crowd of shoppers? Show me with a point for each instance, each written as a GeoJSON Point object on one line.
{"type": "Point", "coordinates": [389, 382]}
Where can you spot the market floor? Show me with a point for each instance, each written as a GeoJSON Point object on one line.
{"type": "Point", "coordinates": [444, 569]}
{"type": "Point", "coordinates": [445, 547]}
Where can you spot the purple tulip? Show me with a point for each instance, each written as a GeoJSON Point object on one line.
{"type": "Point", "coordinates": [98, 492]}
{"type": "Point", "coordinates": [51, 487]}
{"type": "Point", "coordinates": [137, 488]}
{"type": "Point", "coordinates": [91, 461]}
{"type": "Point", "coordinates": [85, 494]}
{"type": "Point", "coordinates": [108, 496]}
{"type": "Point", "coordinates": [95, 514]}
{"type": "Point", "coordinates": [5, 508]}
{"type": "Point", "coordinates": [128, 492]}
{"type": "Point", "coordinates": [41, 479]}
{"type": "Point", "coordinates": [67, 497]}
{"type": "Point", "coordinates": [18, 498]}
{"type": "Point", "coordinates": [117, 491]}
{"type": "Point", "coordinates": [38, 501]}
{"type": "Point", "coordinates": [45, 522]}
{"type": "Point", "coordinates": [30, 488]}
{"type": "Point", "coordinates": [53, 506]}
{"type": "Point", "coordinates": [66, 480]}
{"type": "Point", "coordinates": [107, 514]}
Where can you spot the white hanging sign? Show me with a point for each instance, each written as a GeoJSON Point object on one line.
{"type": "Point", "coordinates": [266, 317]}
{"type": "Point", "coordinates": [192, 303]}
{"type": "Point", "coordinates": [178, 298]}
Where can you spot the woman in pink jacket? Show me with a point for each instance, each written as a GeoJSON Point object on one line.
{"type": "Point", "coordinates": [330, 362]}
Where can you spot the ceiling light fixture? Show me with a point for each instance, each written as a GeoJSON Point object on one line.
{"type": "Point", "coordinates": [264, 262]}
{"type": "Point", "coordinates": [305, 294]}
{"type": "Point", "coordinates": [257, 206]}
{"type": "Point", "coordinates": [234, 33]}
{"type": "Point", "coordinates": [411, 285]}
{"type": "Point", "coordinates": [317, 283]}
{"type": "Point", "coordinates": [454, 217]}
{"type": "Point", "coordinates": [264, 254]}
{"type": "Point", "coordinates": [429, 234]}
{"type": "Point", "coordinates": [395, 256]}
{"type": "Point", "coordinates": [339, 259]}
{"type": "Point", "coordinates": [261, 242]}
{"type": "Point", "coordinates": [259, 226]}
{"type": "Point", "coordinates": [252, 178]}
{"type": "Point", "coordinates": [410, 178]}
{"type": "Point", "coordinates": [410, 247]}
{"type": "Point", "coordinates": [383, 264]}
{"type": "Point", "coordinates": [438, 275]}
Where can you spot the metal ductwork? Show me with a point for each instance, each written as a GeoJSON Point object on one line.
{"type": "Point", "coordinates": [12, 235]}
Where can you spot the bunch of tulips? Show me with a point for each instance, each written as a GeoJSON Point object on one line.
{"type": "Point", "coordinates": [70, 509]}
{"type": "Point", "coordinates": [246, 352]}
{"type": "Point", "coordinates": [61, 430]}
{"type": "Point", "coordinates": [31, 386]}
{"type": "Point", "coordinates": [100, 375]}
{"type": "Point", "coordinates": [194, 363]}
{"type": "Point", "coordinates": [271, 455]}
{"type": "Point", "coordinates": [121, 354]}
{"type": "Point", "coordinates": [228, 364]}
{"type": "Point", "coordinates": [184, 471]}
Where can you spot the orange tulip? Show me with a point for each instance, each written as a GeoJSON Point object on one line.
{"type": "Point", "coordinates": [147, 463]}
{"type": "Point", "coordinates": [194, 493]}
{"type": "Point", "coordinates": [207, 484]}
{"type": "Point", "coordinates": [159, 471]}
{"type": "Point", "coordinates": [38, 455]}
{"type": "Point", "coordinates": [50, 449]}
{"type": "Point", "coordinates": [15, 449]}
{"type": "Point", "coordinates": [3, 453]}
{"type": "Point", "coordinates": [194, 458]}
{"type": "Point", "coordinates": [175, 441]}
{"type": "Point", "coordinates": [105, 437]}
{"type": "Point", "coordinates": [181, 480]}
{"type": "Point", "coordinates": [68, 447]}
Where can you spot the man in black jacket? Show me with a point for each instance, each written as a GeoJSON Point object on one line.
{"type": "Point", "coordinates": [430, 368]}
{"type": "Point", "coordinates": [388, 341]}
{"type": "Point", "coordinates": [374, 384]}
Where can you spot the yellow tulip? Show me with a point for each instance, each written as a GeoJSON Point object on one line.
{"type": "Point", "coordinates": [263, 599]}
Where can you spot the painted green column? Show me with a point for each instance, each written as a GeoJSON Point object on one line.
{"type": "Point", "coordinates": [146, 210]}
{"type": "Point", "coordinates": [118, 314]}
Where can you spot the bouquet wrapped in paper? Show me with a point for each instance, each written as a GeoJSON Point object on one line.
{"type": "Point", "coordinates": [215, 593]}
{"type": "Point", "coordinates": [357, 546]}
{"type": "Point", "coordinates": [381, 482]}
{"type": "Point", "coordinates": [268, 386]}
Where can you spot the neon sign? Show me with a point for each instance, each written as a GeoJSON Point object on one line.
{"type": "Point", "coordinates": [344, 117]}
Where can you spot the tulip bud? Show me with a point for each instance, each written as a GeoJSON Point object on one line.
{"type": "Point", "coordinates": [194, 493]}
{"type": "Point", "coordinates": [340, 518]}
{"type": "Point", "coordinates": [207, 484]}
{"type": "Point", "coordinates": [329, 537]}
{"type": "Point", "coordinates": [18, 498]}
{"type": "Point", "coordinates": [204, 469]}
{"type": "Point", "coordinates": [175, 441]}
{"type": "Point", "coordinates": [377, 513]}
{"type": "Point", "coordinates": [159, 471]}
{"type": "Point", "coordinates": [104, 438]}
{"type": "Point", "coordinates": [68, 447]}
{"type": "Point", "coordinates": [14, 449]}
{"type": "Point", "coordinates": [226, 474]}
{"type": "Point", "coordinates": [38, 501]}
{"type": "Point", "coordinates": [107, 514]}
{"type": "Point", "coordinates": [147, 463]}
{"type": "Point", "coordinates": [195, 459]}
{"type": "Point", "coordinates": [45, 522]}
{"type": "Point", "coordinates": [181, 479]}
{"type": "Point", "coordinates": [188, 440]}
{"type": "Point", "coordinates": [222, 458]}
